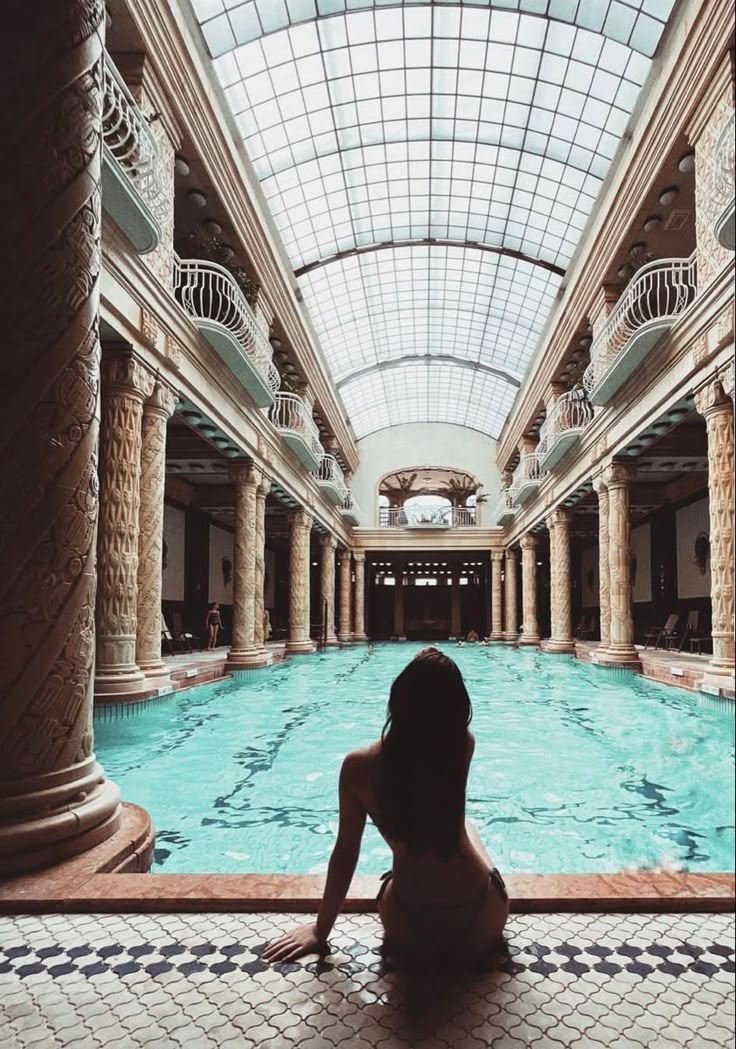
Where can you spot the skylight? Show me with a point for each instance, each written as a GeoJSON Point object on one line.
{"type": "Point", "coordinates": [430, 168]}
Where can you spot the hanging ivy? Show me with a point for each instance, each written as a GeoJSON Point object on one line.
{"type": "Point", "coordinates": [202, 245]}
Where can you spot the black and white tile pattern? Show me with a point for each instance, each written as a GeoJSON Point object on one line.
{"type": "Point", "coordinates": [198, 981]}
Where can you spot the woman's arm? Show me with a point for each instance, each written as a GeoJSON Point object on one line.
{"type": "Point", "coordinates": [306, 938]}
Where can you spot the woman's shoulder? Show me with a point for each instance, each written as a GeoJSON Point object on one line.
{"type": "Point", "coordinates": [363, 759]}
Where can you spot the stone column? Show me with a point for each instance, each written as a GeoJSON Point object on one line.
{"type": "Point", "coordinates": [621, 650]}
{"type": "Point", "coordinates": [243, 651]}
{"type": "Point", "coordinates": [328, 545]}
{"type": "Point", "coordinates": [156, 412]}
{"type": "Point", "coordinates": [54, 799]}
{"type": "Point", "coordinates": [561, 580]}
{"type": "Point", "coordinates": [496, 596]}
{"type": "Point", "coordinates": [345, 632]}
{"type": "Point", "coordinates": [399, 606]}
{"type": "Point", "coordinates": [713, 402]}
{"type": "Point", "coordinates": [359, 596]}
{"type": "Point", "coordinates": [530, 626]}
{"type": "Point", "coordinates": [604, 578]}
{"type": "Point", "coordinates": [260, 581]}
{"type": "Point", "coordinates": [126, 383]}
{"type": "Point", "coordinates": [300, 525]}
{"type": "Point", "coordinates": [512, 616]}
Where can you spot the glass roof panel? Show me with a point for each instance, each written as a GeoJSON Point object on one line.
{"type": "Point", "coordinates": [428, 131]}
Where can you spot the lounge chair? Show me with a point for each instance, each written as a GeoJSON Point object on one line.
{"type": "Point", "coordinates": [191, 641]}
{"type": "Point", "coordinates": [692, 632]}
{"type": "Point", "coordinates": [172, 643]}
{"type": "Point", "coordinates": [662, 636]}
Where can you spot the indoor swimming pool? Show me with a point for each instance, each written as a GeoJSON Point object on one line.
{"type": "Point", "coordinates": [576, 770]}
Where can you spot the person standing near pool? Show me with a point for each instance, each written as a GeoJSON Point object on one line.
{"type": "Point", "coordinates": [214, 624]}
{"type": "Point", "coordinates": [443, 897]}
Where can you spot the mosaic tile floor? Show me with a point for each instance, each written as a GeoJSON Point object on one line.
{"type": "Point", "coordinates": [196, 981]}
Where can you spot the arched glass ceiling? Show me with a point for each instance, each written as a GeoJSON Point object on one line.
{"type": "Point", "coordinates": [389, 124]}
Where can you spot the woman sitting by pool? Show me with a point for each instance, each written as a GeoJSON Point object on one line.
{"type": "Point", "coordinates": [443, 898]}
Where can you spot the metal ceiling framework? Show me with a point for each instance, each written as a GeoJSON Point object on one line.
{"type": "Point", "coordinates": [430, 168]}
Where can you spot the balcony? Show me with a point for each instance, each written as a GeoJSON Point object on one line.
{"type": "Point", "coordinates": [426, 517]}
{"type": "Point", "coordinates": [294, 421]}
{"type": "Point", "coordinates": [131, 188]}
{"type": "Point", "coordinates": [722, 186]}
{"type": "Point", "coordinates": [330, 479]}
{"type": "Point", "coordinates": [350, 509]}
{"type": "Point", "coordinates": [527, 477]}
{"type": "Point", "coordinates": [209, 294]}
{"type": "Point", "coordinates": [505, 509]}
{"type": "Point", "coordinates": [653, 300]}
{"type": "Point", "coordinates": [563, 427]}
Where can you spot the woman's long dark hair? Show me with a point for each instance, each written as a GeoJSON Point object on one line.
{"type": "Point", "coordinates": [424, 766]}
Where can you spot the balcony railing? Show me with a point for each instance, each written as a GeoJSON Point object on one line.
{"type": "Point", "coordinates": [566, 421]}
{"type": "Point", "coordinates": [426, 517]}
{"type": "Point", "coordinates": [219, 309]}
{"type": "Point", "coordinates": [294, 421]}
{"type": "Point", "coordinates": [350, 509]}
{"type": "Point", "coordinates": [131, 186]}
{"type": "Point", "coordinates": [650, 305]}
{"type": "Point", "coordinates": [505, 509]}
{"type": "Point", "coordinates": [331, 480]}
{"type": "Point", "coordinates": [527, 477]}
{"type": "Point", "coordinates": [722, 185]}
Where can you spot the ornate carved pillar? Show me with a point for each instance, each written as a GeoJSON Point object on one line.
{"type": "Point", "coordinates": [456, 616]}
{"type": "Point", "coordinates": [300, 523]}
{"type": "Point", "coordinates": [496, 596]}
{"type": "Point", "coordinates": [530, 626]}
{"type": "Point", "coordinates": [345, 632]}
{"type": "Point", "coordinates": [359, 595]}
{"type": "Point", "coordinates": [512, 615]}
{"type": "Point", "coordinates": [604, 579]}
{"type": "Point", "coordinates": [54, 799]}
{"type": "Point", "coordinates": [243, 652]}
{"type": "Point", "coordinates": [126, 383]}
{"type": "Point", "coordinates": [561, 578]}
{"type": "Point", "coordinates": [716, 405]}
{"type": "Point", "coordinates": [621, 648]}
{"type": "Point", "coordinates": [260, 581]}
{"type": "Point", "coordinates": [156, 411]}
{"type": "Point", "coordinates": [328, 545]}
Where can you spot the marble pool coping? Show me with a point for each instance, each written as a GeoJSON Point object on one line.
{"type": "Point", "coordinates": [111, 878]}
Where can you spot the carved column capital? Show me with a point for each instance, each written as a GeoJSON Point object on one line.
{"type": "Point", "coordinates": [511, 553]}
{"type": "Point", "coordinates": [162, 400]}
{"type": "Point", "coordinates": [264, 487]}
{"type": "Point", "coordinates": [124, 373]}
{"type": "Point", "coordinates": [328, 541]}
{"type": "Point", "coordinates": [245, 473]}
{"type": "Point", "coordinates": [599, 484]}
{"type": "Point", "coordinates": [497, 555]}
{"type": "Point", "coordinates": [561, 518]}
{"type": "Point", "coordinates": [301, 519]}
{"type": "Point", "coordinates": [619, 475]}
{"type": "Point", "coordinates": [528, 542]}
{"type": "Point", "coordinates": [712, 397]}
{"type": "Point", "coordinates": [359, 556]}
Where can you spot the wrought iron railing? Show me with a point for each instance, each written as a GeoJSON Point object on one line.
{"type": "Point", "coordinates": [350, 505]}
{"type": "Point", "coordinates": [426, 516]}
{"type": "Point", "coordinates": [722, 172]}
{"type": "Point", "coordinates": [209, 293]}
{"type": "Point", "coordinates": [571, 411]}
{"type": "Point", "coordinates": [506, 505]}
{"type": "Point", "coordinates": [330, 472]}
{"type": "Point", "coordinates": [528, 470]}
{"type": "Point", "coordinates": [660, 290]}
{"type": "Point", "coordinates": [126, 134]}
{"type": "Point", "coordinates": [289, 414]}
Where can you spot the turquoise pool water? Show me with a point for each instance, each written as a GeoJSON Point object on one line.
{"type": "Point", "coordinates": [575, 770]}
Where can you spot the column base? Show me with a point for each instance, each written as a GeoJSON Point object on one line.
{"type": "Point", "coordinates": [345, 639]}
{"type": "Point", "coordinates": [300, 648]}
{"type": "Point", "coordinates": [332, 641]}
{"type": "Point", "coordinates": [529, 639]}
{"type": "Point", "coordinates": [360, 637]}
{"type": "Point", "coordinates": [246, 658]}
{"type": "Point", "coordinates": [110, 682]}
{"type": "Point", "coordinates": [511, 639]}
{"type": "Point", "coordinates": [497, 635]}
{"type": "Point", "coordinates": [559, 647]}
{"type": "Point", "coordinates": [624, 658]}
{"type": "Point", "coordinates": [719, 681]}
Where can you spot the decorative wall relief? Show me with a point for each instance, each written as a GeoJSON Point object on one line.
{"type": "Point", "coordinates": [173, 551]}
{"type": "Point", "coordinates": [693, 550]}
